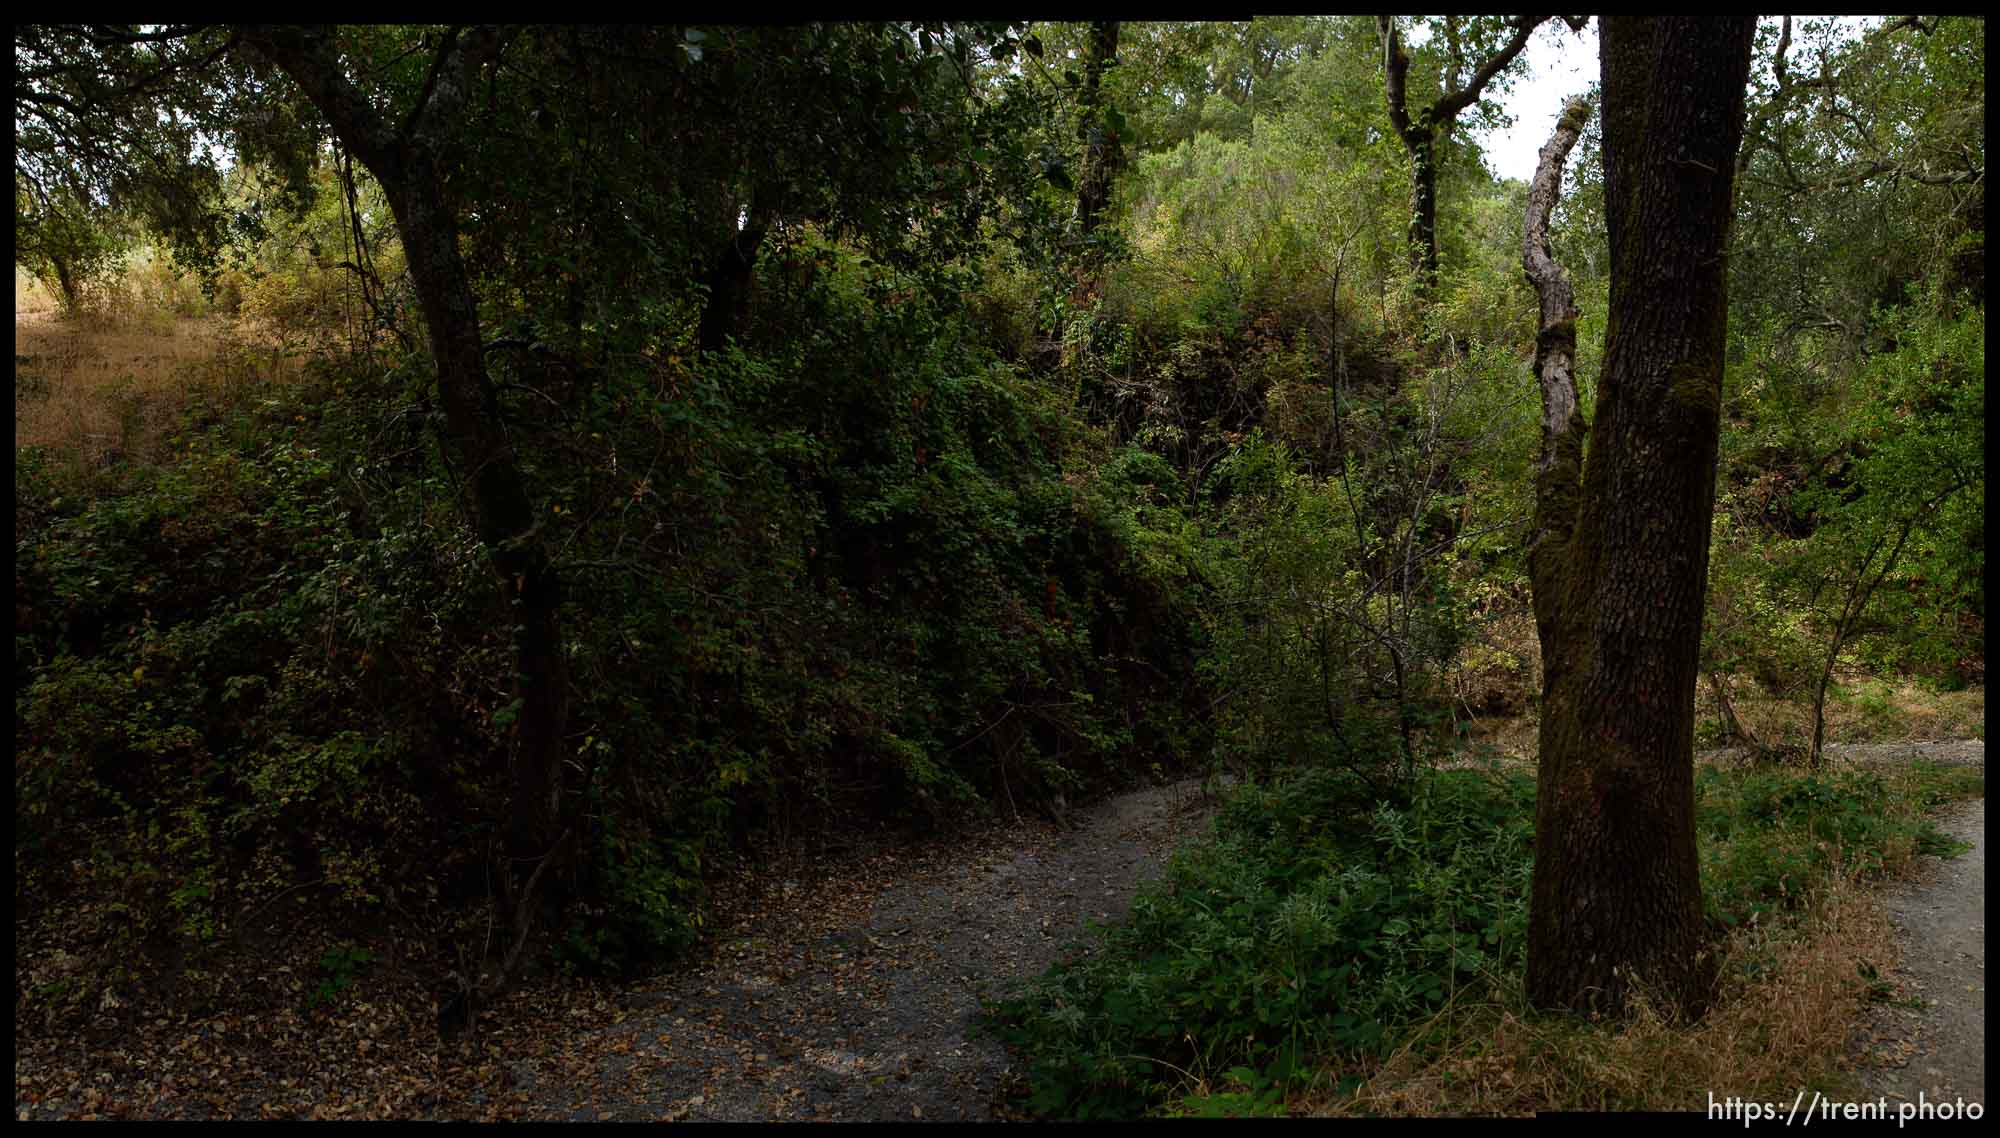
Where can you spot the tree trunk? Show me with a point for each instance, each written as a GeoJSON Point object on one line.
{"type": "Point", "coordinates": [1619, 560]}
{"type": "Point", "coordinates": [72, 294]}
{"type": "Point", "coordinates": [503, 515]}
{"type": "Point", "coordinates": [408, 166]}
{"type": "Point", "coordinates": [1100, 142]}
{"type": "Point", "coordinates": [1423, 236]}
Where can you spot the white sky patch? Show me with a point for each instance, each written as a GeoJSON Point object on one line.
{"type": "Point", "coordinates": [1563, 64]}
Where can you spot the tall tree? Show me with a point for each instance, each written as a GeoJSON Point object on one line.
{"type": "Point", "coordinates": [1619, 558]}
{"type": "Point", "coordinates": [1098, 129]}
{"type": "Point", "coordinates": [1425, 130]}
{"type": "Point", "coordinates": [414, 160]}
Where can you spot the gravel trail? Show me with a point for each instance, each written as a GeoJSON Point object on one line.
{"type": "Point", "coordinates": [855, 997]}
{"type": "Point", "coordinates": [1937, 1050]}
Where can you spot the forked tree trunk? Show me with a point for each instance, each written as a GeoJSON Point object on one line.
{"type": "Point", "coordinates": [1619, 559]}
{"type": "Point", "coordinates": [1423, 129]}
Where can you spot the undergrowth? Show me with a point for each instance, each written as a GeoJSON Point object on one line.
{"type": "Point", "coordinates": [1320, 934]}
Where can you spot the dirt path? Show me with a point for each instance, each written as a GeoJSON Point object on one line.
{"type": "Point", "coordinates": [856, 999]}
{"type": "Point", "coordinates": [1937, 1050]}
{"type": "Point", "coordinates": [847, 989]}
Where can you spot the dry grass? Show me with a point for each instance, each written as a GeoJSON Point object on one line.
{"type": "Point", "coordinates": [1786, 1011]}
{"type": "Point", "coordinates": [1495, 681]}
{"type": "Point", "coordinates": [29, 295]}
{"type": "Point", "coordinates": [1860, 710]}
{"type": "Point", "coordinates": [106, 388]}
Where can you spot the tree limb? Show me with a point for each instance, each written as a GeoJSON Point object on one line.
{"type": "Point", "coordinates": [1455, 101]}
{"type": "Point", "coordinates": [1555, 342]}
{"type": "Point", "coordinates": [307, 55]}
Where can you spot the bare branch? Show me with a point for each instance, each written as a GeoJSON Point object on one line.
{"type": "Point", "coordinates": [1555, 342]}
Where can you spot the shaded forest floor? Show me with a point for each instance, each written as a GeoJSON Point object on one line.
{"type": "Point", "coordinates": [842, 983]}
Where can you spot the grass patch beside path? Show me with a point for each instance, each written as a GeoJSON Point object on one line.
{"type": "Point", "coordinates": [1322, 954]}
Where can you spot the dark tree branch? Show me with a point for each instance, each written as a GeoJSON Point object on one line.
{"type": "Point", "coordinates": [1453, 102]}
{"type": "Point", "coordinates": [307, 54]}
{"type": "Point", "coordinates": [440, 59]}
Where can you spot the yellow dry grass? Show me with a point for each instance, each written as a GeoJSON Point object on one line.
{"type": "Point", "coordinates": [1503, 670]}
{"type": "Point", "coordinates": [1861, 710]}
{"type": "Point", "coordinates": [99, 387]}
{"type": "Point", "coordinates": [1783, 1020]}
{"type": "Point", "coordinates": [29, 295]}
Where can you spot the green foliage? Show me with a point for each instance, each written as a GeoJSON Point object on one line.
{"type": "Point", "coordinates": [1903, 521]}
{"type": "Point", "coordinates": [646, 903]}
{"type": "Point", "coordinates": [1313, 923]}
{"type": "Point", "coordinates": [72, 249]}
{"type": "Point", "coordinates": [208, 690]}
{"type": "Point", "coordinates": [1767, 836]}
{"type": "Point", "coordinates": [340, 966]}
{"type": "Point", "coordinates": [947, 526]}
{"type": "Point", "coordinates": [855, 579]}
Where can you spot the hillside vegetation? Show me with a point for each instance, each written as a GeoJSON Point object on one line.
{"type": "Point", "coordinates": [925, 425]}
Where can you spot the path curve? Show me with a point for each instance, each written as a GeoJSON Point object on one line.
{"type": "Point", "coordinates": [856, 1000]}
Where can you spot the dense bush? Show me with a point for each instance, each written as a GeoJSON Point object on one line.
{"type": "Point", "coordinates": [213, 685]}
{"type": "Point", "coordinates": [1314, 921]}
{"type": "Point", "coordinates": [849, 576]}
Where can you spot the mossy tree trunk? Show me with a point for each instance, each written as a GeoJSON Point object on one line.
{"type": "Point", "coordinates": [1096, 131]}
{"type": "Point", "coordinates": [1619, 557]}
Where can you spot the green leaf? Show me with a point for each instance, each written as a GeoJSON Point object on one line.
{"type": "Point", "coordinates": [504, 717]}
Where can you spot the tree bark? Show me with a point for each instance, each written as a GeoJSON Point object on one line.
{"type": "Point", "coordinates": [1619, 561]}
{"type": "Point", "coordinates": [410, 163]}
{"type": "Point", "coordinates": [72, 295]}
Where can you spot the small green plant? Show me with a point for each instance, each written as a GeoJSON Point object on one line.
{"type": "Point", "coordinates": [339, 967]}
{"type": "Point", "coordinates": [1250, 1094]}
